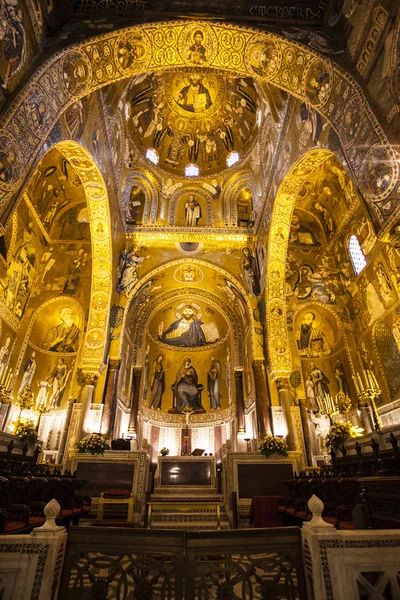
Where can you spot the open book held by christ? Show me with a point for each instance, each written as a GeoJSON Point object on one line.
{"type": "Point", "coordinates": [211, 332]}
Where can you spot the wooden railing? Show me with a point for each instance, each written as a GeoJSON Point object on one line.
{"type": "Point", "coordinates": [116, 563]}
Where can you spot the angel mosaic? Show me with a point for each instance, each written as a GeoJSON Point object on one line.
{"type": "Point", "coordinates": [129, 261]}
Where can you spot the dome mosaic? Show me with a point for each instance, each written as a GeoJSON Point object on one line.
{"type": "Point", "coordinates": [193, 117]}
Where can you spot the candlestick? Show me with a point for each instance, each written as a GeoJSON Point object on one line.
{"type": "Point", "coordinates": [360, 382]}
{"type": "Point", "coordinates": [4, 376]}
{"type": "Point", "coordinates": [9, 378]}
{"type": "Point", "coordinates": [376, 386]}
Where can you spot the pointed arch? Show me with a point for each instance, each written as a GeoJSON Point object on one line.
{"type": "Point", "coordinates": [278, 341]}
{"type": "Point", "coordinates": [82, 68]}
{"type": "Point", "coordinates": [215, 298]}
{"type": "Point", "coordinates": [100, 229]}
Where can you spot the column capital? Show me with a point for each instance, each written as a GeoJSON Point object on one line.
{"type": "Point", "coordinates": [258, 363]}
{"type": "Point", "coordinates": [283, 383]}
{"type": "Point", "coordinates": [90, 378]}
{"type": "Point", "coordinates": [114, 363]}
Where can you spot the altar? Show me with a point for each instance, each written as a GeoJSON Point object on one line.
{"type": "Point", "coordinates": [185, 472]}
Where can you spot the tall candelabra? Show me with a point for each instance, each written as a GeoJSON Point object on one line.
{"type": "Point", "coordinates": [367, 390]}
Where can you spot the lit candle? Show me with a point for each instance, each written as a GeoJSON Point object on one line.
{"type": "Point", "coordinates": [360, 382]}
{"type": "Point", "coordinates": [9, 379]}
{"type": "Point", "coordinates": [4, 376]}
{"type": "Point", "coordinates": [374, 380]}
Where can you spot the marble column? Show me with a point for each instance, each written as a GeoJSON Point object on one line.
{"type": "Point", "coordinates": [285, 398]}
{"type": "Point", "coordinates": [263, 401]}
{"type": "Point", "coordinates": [86, 400]}
{"type": "Point", "coordinates": [137, 377]}
{"type": "Point", "coordinates": [110, 397]}
{"type": "Point", "coordinates": [305, 421]}
{"type": "Point", "coordinates": [63, 442]}
{"type": "Point", "coordinates": [239, 401]}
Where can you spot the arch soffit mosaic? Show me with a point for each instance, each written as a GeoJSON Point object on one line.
{"type": "Point", "coordinates": [285, 201]}
{"type": "Point", "coordinates": [85, 67]}
{"type": "Point", "coordinates": [100, 230]}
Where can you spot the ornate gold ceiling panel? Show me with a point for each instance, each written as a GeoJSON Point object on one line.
{"type": "Point", "coordinates": [83, 68]}
{"type": "Point", "coordinates": [193, 116]}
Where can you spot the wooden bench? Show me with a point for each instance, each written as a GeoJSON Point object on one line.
{"type": "Point", "coordinates": [183, 507]}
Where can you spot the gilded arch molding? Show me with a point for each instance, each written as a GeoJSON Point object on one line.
{"type": "Point", "coordinates": [79, 70]}
{"type": "Point", "coordinates": [140, 179]}
{"type": "Point", "coordinates": [196, 291]}
{"type": "Point", "coordinates": [278, 340]}
{"type": "Point", "coordinates": [141, 325]}
{"type": "Point", "coordinates": [100, 232]}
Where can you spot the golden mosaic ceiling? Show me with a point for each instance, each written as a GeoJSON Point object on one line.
{"type": "Point", "coordinates": [193, 116]}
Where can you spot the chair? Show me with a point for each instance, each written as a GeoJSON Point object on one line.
{"type": "Point", "coordinates": [115, 496]}
{"type": "Point", "coordinates": [120, 444]}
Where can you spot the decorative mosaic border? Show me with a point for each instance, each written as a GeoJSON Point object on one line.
{"type": "Point", "coordinates": [325, 545]}
{"type": "Point", "coordinates": [81, 69]}
{"type": "Point", "coordinates": [41, 550]}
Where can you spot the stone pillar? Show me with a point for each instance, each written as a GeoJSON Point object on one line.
{"type": "Point", "coordinates": [63, 442]}
{"type": "Point", "coordinates": [306, 432]}
{"type": "Point", "coordinates": [110, 397]}
{"type": "Point", "coordinates": [87, 395]}
{"type": "Point", "coordinates": [263, 401]}
{"type": "Point", "coordinates": [239, 401]}
{"type": "Point", "coordinates": [285, 397]}
{"type": "Point", "coordinates": [137, 376]}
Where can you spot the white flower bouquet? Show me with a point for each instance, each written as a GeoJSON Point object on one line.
{"type": "Point", "coordinates": [94, 443]}
{"type": "Point", "coordinates": [272, 445]}
{"type": "Point", "coordinates": [25, 430]}
{"type": "Point", "coordinates": [340, 432]}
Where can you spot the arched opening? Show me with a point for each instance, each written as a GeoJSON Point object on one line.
{"type": "Point", "coordinates": [56, 286]}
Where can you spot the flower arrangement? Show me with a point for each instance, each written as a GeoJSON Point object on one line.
{"type": "Point", "coordinates": [25, 399]}
{"type": "Point", "coordinates": [164, 452]}
{"type": "Point", "coordinates": [343, 403]}
{"type": "Point", "coordinates": [273, 445]}
{"type": "Point", "coordinates": [94, 443]}
{"type": "Point", "coordinates": [25, 430]}
{"type": "Point", "coordinates": [340, 432]}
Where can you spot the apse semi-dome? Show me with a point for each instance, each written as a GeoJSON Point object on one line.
{"type": "Point", "coordinates": [192, 117]}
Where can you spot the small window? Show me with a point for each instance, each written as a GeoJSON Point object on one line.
{"type": "Point", "coordinates": [357, 256]}
{"type": "Point", "coordinates": [232, 159]}
{"type": "Point", "coordinates": [191, 170]}
{"type": "Point", "coordinates": [152, 155]}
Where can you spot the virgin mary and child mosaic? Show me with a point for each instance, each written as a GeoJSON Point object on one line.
{"type": "Point", "coordinates": [188, 330]}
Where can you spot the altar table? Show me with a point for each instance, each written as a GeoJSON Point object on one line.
{"type": "Point", "coordinates": [264, 511]}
